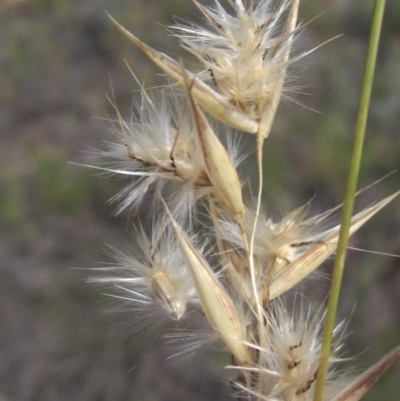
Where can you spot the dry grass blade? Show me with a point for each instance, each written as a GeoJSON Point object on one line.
{"type": "Point", "coordinates": [362, 383]}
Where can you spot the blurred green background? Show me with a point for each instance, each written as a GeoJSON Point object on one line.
{"type": "Point", "coordinates": [57, 58]}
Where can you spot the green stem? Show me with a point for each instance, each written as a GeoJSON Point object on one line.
{"type": "Point", "coordinates": [349, 200]}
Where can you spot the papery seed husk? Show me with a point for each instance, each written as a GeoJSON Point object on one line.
{"type": "Point", "coordinates": [270, 107]}
{"type": "Point", "coordinates": [164, 291]}
{"type": "Point", "coordinates": [223, 175]}
{"type": "Point", "coordinates": [217, 305]}
{"type": "Point", "coordinates": [314, 257]}
{"type": "Point", "coordinates": [211, 101]}
{"type": "Point", "coordinates": [233, 272]}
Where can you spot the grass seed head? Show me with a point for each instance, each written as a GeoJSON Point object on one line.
{"type": "Point", "coordinates": [153, 277]}
{"type": "Point", "coordinates": [288, 360]}
{"type": "Point", "coordinates": [214, 103]}
{"type": "Point", "coordinates": [308, 261]}
{"type": "Point", "coordinates": [170, 144]}
{"type": "Point", "coordinates": [160, 147]}
{"type": "Point", "coordinates": [246, 53]}
{"type": "Point", "coordinates": [287, 251]}
{"type": "Point", "coordinates": [220, 168]}
{"type": "Point", "coordinates": [215, 301]}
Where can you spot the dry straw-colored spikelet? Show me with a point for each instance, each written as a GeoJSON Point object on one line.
{"type": "Point", "coordinates": [166, 147]}
{"type": "Point", "coordinates": [213, 102]}
{"type": "Point", "coordinates": [215, 301]}
{"type": "Point", "coordinates": [247, 56]}
{"type": "Point", "coordinates": [290, 361]}
{"type": "Point", "coordinates": [287, 251]}
{"type": "Point", "coordinates": [151, 282]}
{"type": "Point", "coordinates": [172, 144]}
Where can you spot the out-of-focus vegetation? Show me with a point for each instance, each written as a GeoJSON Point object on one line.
{"type": "Point", "coordinates": [56, 62]}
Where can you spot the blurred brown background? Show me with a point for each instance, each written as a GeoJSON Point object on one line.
{"type": "Point", "coordinates": [56, 57]}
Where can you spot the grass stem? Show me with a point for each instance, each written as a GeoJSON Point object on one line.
{"type": "Point", "coordinates": [350, 197]}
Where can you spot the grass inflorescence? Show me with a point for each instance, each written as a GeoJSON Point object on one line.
{"type": "Point", "coordinates": [232, 271]}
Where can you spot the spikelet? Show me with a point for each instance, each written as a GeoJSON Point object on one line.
{"type": "Point", "coordinates": [218, 106]}
{"type": "Point", "coordinates": [359, 386]}
{"type": "Point", "coordinates": [286, 251]}
{"type": "Point", "coordinates": [247, 56]}
{"type": "Point", "coordinates": [247, 53]}
{"type": "Point", "coordinates": [220, 168]}
{"type": "Point", "coordinates": [160, 148]}
{"type": "Point", "coordinates": [152, 283]}
{"type": "Point", "coordinates": [289, 358]}
{"type": "Point", "coordinates": [277, 243]}
{"type": "Point", "coordinates": [214, 299]}
{"type": "Point", "coordinates": [308, 261]}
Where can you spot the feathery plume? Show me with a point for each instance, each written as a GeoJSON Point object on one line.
{"type": "Point", "coordinates": [218, 106]}
{"type": "Point", "coordinates": [160, 147]}
{"type": "Point", "coordinates": [288, 360]}
{"type": "Point", "coordinates": [152, 282]}
{"type": "Point", "coordinates": [247, 53]}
